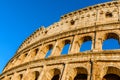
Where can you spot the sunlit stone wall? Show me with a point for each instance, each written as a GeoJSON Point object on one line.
{"type": "Point", "coordinates": [41, 56]}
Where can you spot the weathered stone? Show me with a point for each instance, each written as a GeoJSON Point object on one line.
{"type": "Point", "coordinates": [95, 23]}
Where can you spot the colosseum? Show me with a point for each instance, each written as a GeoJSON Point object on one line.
{"type": "Point", "coordinates": [40, 56]}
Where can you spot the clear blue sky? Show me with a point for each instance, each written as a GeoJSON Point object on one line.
{"type": "Point", "coordinates": [19, 18]}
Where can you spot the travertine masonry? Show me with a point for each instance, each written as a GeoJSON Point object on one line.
{"type": "Point", "coordinates": [95, 23]}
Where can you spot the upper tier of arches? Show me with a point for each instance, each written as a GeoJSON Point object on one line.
{"type": "Point", "coordinates": [93, 16]}
{"type": "Point", "coordinates": [69, 45]}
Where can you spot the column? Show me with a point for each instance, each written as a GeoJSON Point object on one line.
{"type": "Point", "coordinates": [43, 51]}
{"type": "Point", "coordinates": [64, 74]}
{"type": "Point", "coordinates": [26, 75]}
{"type": "Point", "coordinates": [26, 59]}
{"type": "Point", "coordinates": [75, 46]}
{"type": "Point", "coordinates": [38, 53]}
{"type": "Point", "coordinates": [97, 44]}
{"type": "Point", "coordinates": [42, 74]}
{"type": "Point", "coordinates": [57, 48]}
{"type": "Point", "coordinates": [96, 71]}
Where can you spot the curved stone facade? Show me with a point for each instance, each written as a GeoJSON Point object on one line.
{"type": "Point", "coordinates": [95, 23]}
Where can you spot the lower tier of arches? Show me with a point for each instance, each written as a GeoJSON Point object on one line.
{"type": "Point", "coordinates": [104, 66]}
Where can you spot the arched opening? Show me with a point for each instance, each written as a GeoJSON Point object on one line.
{"type": "Point", "coordinates": [50, 47]}
{"type": "Point", "coordinates": [111, 77]}
{"type": "Point", "coordinates": [112, 73]}
{"type": "Point", "coordinates": [56, 77]}
{"type": "Point", "coordinates": [21, 59]}
{"type": "Point", "coordinates": [33, 54]}
{"type": "Point", "coordinates": [66, 47]}
{"type": "Point", "coordinates": [81, 77]}
{"type": "Point", "coordinates": [81, 74]}
{"type": "Point", "coordinates": [87, 43]}
{"type": "Point", "coordinates": [56, 74]}
{"type": "Point", "coordinates": [111, 41]}
{"type": "Point", "coordinates": [37, 74]}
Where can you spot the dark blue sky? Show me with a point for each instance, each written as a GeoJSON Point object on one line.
{"type": "Point", "coordinates": [19, 18]}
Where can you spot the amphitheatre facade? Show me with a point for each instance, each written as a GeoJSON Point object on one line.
{"type": "Point", "coordinates": [95, 23]}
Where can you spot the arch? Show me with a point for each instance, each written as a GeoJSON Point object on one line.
{"type": "Point", "coordinates": [111, 77]}
{"type": "Point", "coordinates": [108, 38]}
{"type": "Point", "coordinates": [53, 74]}
{"type": "Point", "coordinates": [81, 73]}
{"type": "Point", "coordinates": [86, 43]}
{"type": "Point", "coordinates": [22, 58]}
{"type": "Point", "coordinates": [32, 54]}
{"type": "Point", "coordinates": [45, 51]}
{"type": "Point", "coordinates": [48, 52]}
{"type": "Point", "coordinates": [56, 74]}
{"type": "Point", "coordinates": [111, 35]}
{"type": "Point", "coordinates": [66, 47]}
{"type": "Point", "coordinates": [77, 73]}
{"type": "Point", "coordinates": [112, 73]}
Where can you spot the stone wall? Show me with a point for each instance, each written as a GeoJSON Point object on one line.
{"type": "Point", "coordinates": [95, 23]}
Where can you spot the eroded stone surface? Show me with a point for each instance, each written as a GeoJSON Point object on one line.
{"type": "Point", "coordinates": [96, 23]}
